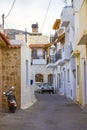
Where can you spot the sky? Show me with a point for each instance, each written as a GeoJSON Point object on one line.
{"type": "Point", "coordinates": [27, 12]}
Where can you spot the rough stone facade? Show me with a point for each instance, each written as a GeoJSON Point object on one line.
{"type": "Point", "coordinates": [0, 79]}
{"type": "Point", "coordinates": [10, 74]}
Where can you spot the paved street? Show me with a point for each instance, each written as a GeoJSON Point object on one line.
{"type": "Point", "coordinates": [50, 112]}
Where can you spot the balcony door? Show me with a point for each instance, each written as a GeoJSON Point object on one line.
{"type": "Point", "coordinates": [50, 79]}
{"type": "Point", "coordinates": [85, 84]}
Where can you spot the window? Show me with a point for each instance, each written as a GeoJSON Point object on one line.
{"type": "Point", "coordinates": [34, 54]}
{"type": "Point", "coordinates": [68, 75]}
{"type": "Point", "coordinates": [50, 79]}
{"type": "Point", "coordinates": [38, 78]}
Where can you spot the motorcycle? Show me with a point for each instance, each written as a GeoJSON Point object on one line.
{"type": "Point", "coordinates": [12, 104]}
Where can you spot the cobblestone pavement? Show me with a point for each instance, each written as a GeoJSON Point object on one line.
{"type": "Point", "coordinates": [50, 112]}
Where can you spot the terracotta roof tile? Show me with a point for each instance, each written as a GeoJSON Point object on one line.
{"type": "Point", "coordinates": [37, 45]}
{"type": "Point", "coordinates": [14, 46]}
{"type": "Point", "coordinates": [4, 40]}
{"type": "Point", "coordinates": [6, 43]}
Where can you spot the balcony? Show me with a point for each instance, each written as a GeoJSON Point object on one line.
{"type": "Point", "coordinates": [66, 53]}
{"type": "Point", "coordinates": [60, 62]}
{"type": "Point", "coordinates": [66, 16]}
{"type": "Point", "coordinates": [83, 40]}
{"type": "Point", "coordinates": [38, 60]}
{"type": "Point", "coordinates": [75, 53]}
{"type": "Point", "coordinates": [73, 63]}
{"type": "Point", "coordinates": [64, 23]}
{"type": "Point", "coordinates": [52, 61]}
{"type": "Point", "coordinates": [58, 55]}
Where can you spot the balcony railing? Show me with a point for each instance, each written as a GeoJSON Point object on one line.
{"type": "Point", "coordinates": [38, 59]}
{"type": "Point", "coordinates": [56, 57]}
{"type": "Point", "coordinates": [38, 56]}
{"type": "Point", "coordinates": [52, 58]}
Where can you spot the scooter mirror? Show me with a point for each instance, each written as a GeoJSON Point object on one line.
{"type": "Point", "coordinates": [12, 87]}
{"type": "Point", "coordinates": [4, 93]}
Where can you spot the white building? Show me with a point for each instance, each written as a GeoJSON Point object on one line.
{"type": "Point", "coordinates": [38, 44]}
{"type": "Point", "coordinates": [68, 69]}
{"type": "Point", "coordinates": [80, 50]}
{"type": "Point", "coordinates": [63, 64]}
{"type": "Point", "coordinates": [38, 54]}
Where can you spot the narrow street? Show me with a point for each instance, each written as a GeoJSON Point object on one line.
{"type": "Point", "coordinates": [50, 112]}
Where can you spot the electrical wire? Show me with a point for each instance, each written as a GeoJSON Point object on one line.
{"type": "Point", "coordinates": [46, 15]}
{"type": "Point", "coordinates": [44, 20]}
{"type": "Point", "coordinates": [10, 9]}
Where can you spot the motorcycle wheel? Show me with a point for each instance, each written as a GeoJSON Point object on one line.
{"type": "Point", "coordinates": [12, 109]}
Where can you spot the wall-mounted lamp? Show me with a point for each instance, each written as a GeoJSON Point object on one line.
{"type": "Point", "coordinates": [83, 58]}
{"type": "Point", "coordinates": [52, 47]}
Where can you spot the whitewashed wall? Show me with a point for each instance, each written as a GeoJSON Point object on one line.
{"type": "Point", "coordinates": [27, 95]}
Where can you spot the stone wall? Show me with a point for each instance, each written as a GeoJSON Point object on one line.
{"type": "Point", "coordinates": [0, 79]}
{"type": "Point", "coordinates": [11, 72]}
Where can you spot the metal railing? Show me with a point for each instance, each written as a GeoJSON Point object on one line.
{"type": "Point", "coordinates": [56, 57]}
{"type": "Point", "coordinates": [38, 56]}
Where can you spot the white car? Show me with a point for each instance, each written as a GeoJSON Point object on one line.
{"type": "Point", "coordinates": [37, 86]}
{"type": "Point", "coordinates": [46, 87]}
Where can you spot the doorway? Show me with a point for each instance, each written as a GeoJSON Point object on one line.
{"type": "Point", "coordinates": [64, 83]}
{"type": "Point", "coordinates": [39, 78]}
{"type": "Point", "coordinates": [50, 79]}
{"type": "Point", "coordinates": [85, 88]}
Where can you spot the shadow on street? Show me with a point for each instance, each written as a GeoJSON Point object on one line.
{"type": "Point", "coordinates": [50, 112]}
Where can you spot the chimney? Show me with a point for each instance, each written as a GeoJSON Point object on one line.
{"type": "Point", "coordinates": [35, 28]}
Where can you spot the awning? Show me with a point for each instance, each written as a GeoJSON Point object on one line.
{"type": "Point", "coordinates": [83, 40]}
{"type": "Point", "coordinates": [61, 38]}
{"type": "Point", "coordinates": [75, 53]}
{"type": "Point", "coordinates": [56, 24]}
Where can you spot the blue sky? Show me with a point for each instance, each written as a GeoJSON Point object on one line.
{"type": "Point", "coordinates": [26, 12]}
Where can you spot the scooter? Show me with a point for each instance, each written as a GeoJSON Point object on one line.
{"type": "Point", "coordinates": [12, 104]}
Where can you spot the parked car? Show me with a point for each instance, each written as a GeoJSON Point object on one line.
{"type": "Point", "coordinates": [37, 86]}
{"type": "Point", "coordinates": [46, 87]}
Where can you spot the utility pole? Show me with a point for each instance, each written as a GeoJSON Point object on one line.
{"type": "Point", "coordinates": [25, 35]}
{"type": "Point", "coordinates": [3, 23]}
